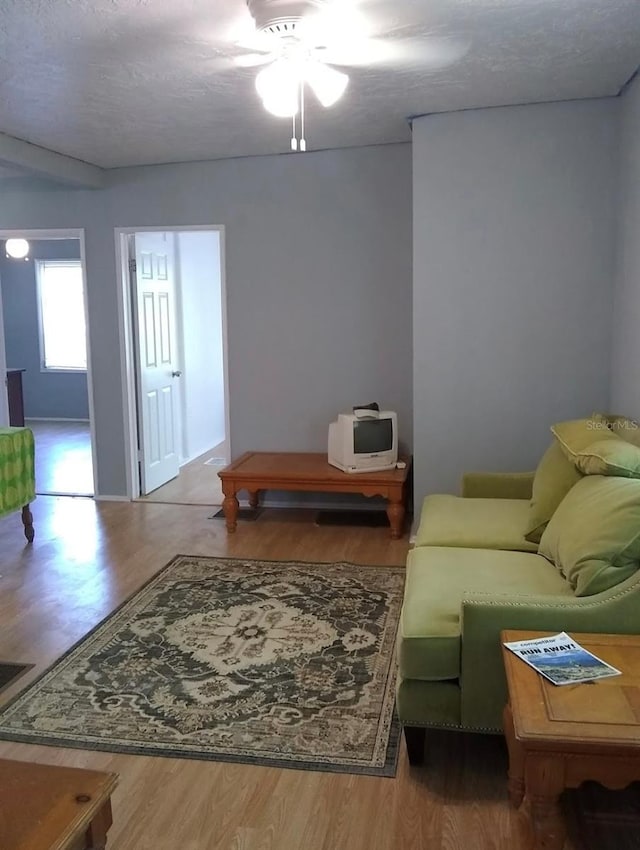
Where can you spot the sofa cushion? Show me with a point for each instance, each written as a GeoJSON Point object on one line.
{"type": "Point", "coordinates": [554, 477]}
{"type": "Point", "coordinates": [474, 523]}
{"type": "Point", "coordinates": [594, 536]}
{"type": "Point", "coordinates": [438, 579]}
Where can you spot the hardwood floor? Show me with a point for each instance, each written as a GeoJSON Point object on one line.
{"type": "Point", "coordinates": [196, 484]}
{"type": "Point", "coordinates": [88, 557]}
{"type": "Point", "coordinates": [63, 457]}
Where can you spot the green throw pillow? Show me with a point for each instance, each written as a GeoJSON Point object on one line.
{"type": "Point", "coordinates": [610, 457]}
{"type": "Point", "coordinates": [625, 428]}
{"type": "Point", "coordinates": [577, 434]}
{"type": "Point", "coordinates": [594, 536]}
{"type": "Point", "coordinates": [554, 477]}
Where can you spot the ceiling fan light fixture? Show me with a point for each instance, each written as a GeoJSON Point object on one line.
{"type": "Point", "coordinates": [327, 84]}
{"type": "Point", "coordinates": [17, 249]}
{"type": "Point", "coordinates": [281, 107]}
{"type": "Point", "coordinates": [278, 86]}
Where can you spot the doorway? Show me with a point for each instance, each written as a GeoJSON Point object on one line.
{"type": "Point", "coordinates": [45, 348]}
{"type": "Point", "coordinates": [173, 315]}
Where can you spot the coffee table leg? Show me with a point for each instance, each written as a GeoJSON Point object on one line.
{"type": "Point", "coordinates": [544, 782]}
{"type": "Point", "coordinates": [395, 512]}
{"type": "Point", "coordinates": [230, 507]}
{"type": "Point", "coordinates": [254, 498]}
{"type": "Point", "coordinates": [516, 759]}
{"type": "Point", "coordinates": [27, 521]}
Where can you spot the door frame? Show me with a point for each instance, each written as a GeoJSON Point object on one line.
{"type": "Point", "coordinates": [127, 351]}
{"type": "Point", "coordinates": [53, 234]}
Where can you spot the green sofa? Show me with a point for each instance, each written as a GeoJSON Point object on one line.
{"type": "Point", "coordinates": [477, 568]}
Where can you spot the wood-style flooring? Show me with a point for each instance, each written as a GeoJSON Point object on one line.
{"type": "Point", "coordinates": [63, 457]}
{"type": "Point", "coordinates": [197, 482]}
{"type": "Point", "coordinates": [88, 557]}
{"type": "Point", "coordinates": [64, 466]}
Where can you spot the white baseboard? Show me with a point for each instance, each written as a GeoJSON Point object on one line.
{"type": "Point", "coordinates": [111, 498]}
{"type": "Point", "coordinates": [195, 457]}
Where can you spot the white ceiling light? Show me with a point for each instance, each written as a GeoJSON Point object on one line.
{"type": "Point", "coordinates": [279, 84]}
{"type": "Point", "coordinates": [327, 84]}
{"type": "Point", "coordinates": [17, 249]}
{"type": "Point", "coordinates": [279, 87]}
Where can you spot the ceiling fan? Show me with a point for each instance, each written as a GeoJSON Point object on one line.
{"type": "Point", "coordinates": [299, 41]}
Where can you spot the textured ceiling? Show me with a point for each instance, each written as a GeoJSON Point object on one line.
{"type": "Point", "coordinates": [126, 82]}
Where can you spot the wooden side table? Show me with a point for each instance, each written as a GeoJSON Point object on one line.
{"type": "Point", "coordinates": [257, 471]}
{"type": "Point", "coordinates": [45, 807]}
{"type": "Point", "coordinates": [561, 736]}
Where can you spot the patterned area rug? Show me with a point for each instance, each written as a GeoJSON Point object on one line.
{"type": "Point", "coordinates": [279, 663]}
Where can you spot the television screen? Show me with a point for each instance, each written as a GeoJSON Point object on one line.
{"type": "Point", "coordinates": [372, 435]}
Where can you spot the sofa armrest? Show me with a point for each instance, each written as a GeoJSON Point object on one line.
{"type": "Point", "coordinates": [497, 485]}
{"type": "Point", "coordinates": [485, 616]}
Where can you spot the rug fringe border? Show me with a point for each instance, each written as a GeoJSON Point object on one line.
{"type": "Point", "coordinates": [388, 771]}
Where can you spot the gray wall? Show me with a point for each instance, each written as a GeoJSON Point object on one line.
{"type": "Point", "coordinates": [514, 240]}
{"type": "Point", "coordinates": [625, 383]}
{"type": "Point", "coordinates": [202, 382]}
{"type": "Point", "coordinates": [59, 395]}
{"type": "Point", "coordinates": [318, 250]}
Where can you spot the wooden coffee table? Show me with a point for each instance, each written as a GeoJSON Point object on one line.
{"type": "Point", "coordinates": [45, 807]}
{"type": "Point", "coordinates": [562, 736]}
{"type": "Point", "coordinates": [257, 471]}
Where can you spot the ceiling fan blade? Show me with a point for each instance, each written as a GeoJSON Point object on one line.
{"type": "Point", "coordinates": [429, 52]}
{"type": "Point", "coordinates": [334, 20]}
{"type": "Point", "coordinates": [433, 52]}
{"type": "Point", "coordinates": [253, 60]}
{"type": "Point", "coordinates": [370, 51]}
{"type": "Point", "coordinates": [257, 40]}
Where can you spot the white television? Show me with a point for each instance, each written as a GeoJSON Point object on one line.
{"type": "Point", "coordinates": [364, 443]}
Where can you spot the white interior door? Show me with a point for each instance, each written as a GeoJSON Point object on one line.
{"type": "Point", "coordinates": [157, 351]}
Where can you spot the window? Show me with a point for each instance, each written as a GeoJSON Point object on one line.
{"type": "Point", "coordinates": [63, 334]}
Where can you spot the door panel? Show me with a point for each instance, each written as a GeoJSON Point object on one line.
{"type": "Point", "coordinates": [156, 352]}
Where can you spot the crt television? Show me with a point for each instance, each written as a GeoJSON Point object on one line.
{"type": "Point", "coordinates": [364, 443]}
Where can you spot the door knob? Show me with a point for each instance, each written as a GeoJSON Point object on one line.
{"type": "Point", "coordinates": [176, 374]}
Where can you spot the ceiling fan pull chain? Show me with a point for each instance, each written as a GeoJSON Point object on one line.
{"type": "Point", "coordinates": [303, 141]}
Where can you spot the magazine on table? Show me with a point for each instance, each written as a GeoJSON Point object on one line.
{"type": "Point", "coordinates": [561, 660]}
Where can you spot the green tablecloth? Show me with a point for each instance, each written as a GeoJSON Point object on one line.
{"type": "Point", "coordinates": [17, 477]}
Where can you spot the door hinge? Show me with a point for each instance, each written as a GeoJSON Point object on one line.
{"type": "Point", "coordinates": [133, 267]}
{"type": "Point", "coordinates": [139, 455]}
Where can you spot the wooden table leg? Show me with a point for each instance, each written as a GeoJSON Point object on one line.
{"type": "Point", "coordinates": [516, 760]}
{"type": "Point", "coordinates": [254, 498]}
{"type": "Point", "coordinates": [230, 507]}
{"type": "Point", "coordinates": [544, 782]}
{"type": "Point", "coordinates": [96, 837]}
{"type": "Point", "coordinates": [395, 512]}
{"type": "Point", "coordinates": [27, 521]}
